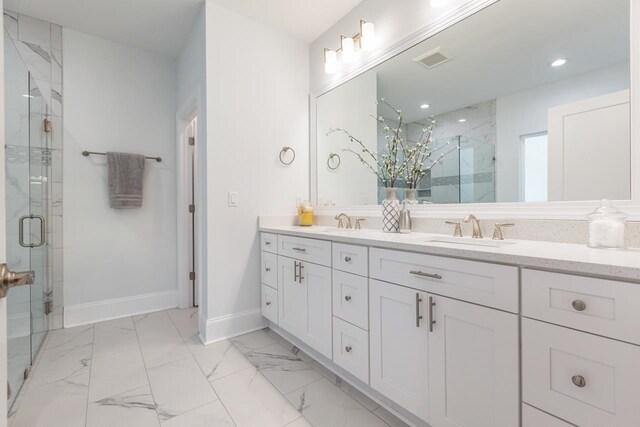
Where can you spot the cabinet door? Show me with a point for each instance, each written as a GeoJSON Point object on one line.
{"type": "Point", "coordinates": [473, 365]}
{"type": "Point", "coordinates": [292, 298]}
{"type": "Point", "coordinates": [316, 280]}
{"type": "Point", "coordinates": [398, 346]}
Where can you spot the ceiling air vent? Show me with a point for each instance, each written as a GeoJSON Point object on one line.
{"type": "Point", "coordinates": [433, 58]}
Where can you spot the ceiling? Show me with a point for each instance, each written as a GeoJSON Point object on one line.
{"type": "Point", "coordinates": [305, 20]}
{"type": "Point", "coordinates": [505, 49]}
{"type": "Point", "coordinates": [163, 25]}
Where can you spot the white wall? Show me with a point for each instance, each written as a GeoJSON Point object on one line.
{"type": "Point", "coordinates": [257, 102]}
{"type": "Point", "coordinates": [526, 112]}
{"type": "Point", "coordinates": [117, 98]}
{"type": "Point", "coordinates": [349, 107]}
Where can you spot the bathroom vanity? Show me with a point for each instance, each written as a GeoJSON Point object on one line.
{"type": "Point", "coordinates": [449, 333]}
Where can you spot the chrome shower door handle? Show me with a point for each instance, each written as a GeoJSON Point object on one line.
{"type": "Point", "coordinates": [42, 231]}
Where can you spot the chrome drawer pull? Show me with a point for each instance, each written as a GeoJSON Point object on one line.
{"type": "Point", "coordinates": [295, 271]}
{"type": "Point", "coordinates": [432, 322]}
{"type": "Point", "coordinates": [347, 298]}
{"type": "Point", "coordinates": [299, 249]}
{"type": "Point", "coordinates": [578, 381]}
{"type": "Point", "coordinates": [423, 274]}
{"type": "Point", "coordinates": [418, 315]}
{"type": "Point", "coordinates": [348, 349]}
{"type": "Point", "coordinates": [347, 259]}
{"type": "Point", "coordinates": [300, 278]}
{"type": "Point", "coordinates": [579, 305]}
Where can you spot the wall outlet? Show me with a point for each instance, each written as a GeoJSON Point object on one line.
{"type": "Point", "coordinates": [233, 199]}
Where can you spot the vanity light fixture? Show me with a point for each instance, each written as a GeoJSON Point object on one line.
{"type": "Point", "coordinates": [330, 61]}
{"type": "Point", "coordinates": [365, 40]}
{"type": "Point", "coordinates": [425, 106]}
{"type": "Point", "coordinates": [559, 62]}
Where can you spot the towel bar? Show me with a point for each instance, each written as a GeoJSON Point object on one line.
{"type": "Point", "coordinates": [88, 153]}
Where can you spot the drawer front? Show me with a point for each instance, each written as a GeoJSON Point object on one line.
{"type": "Point", "coordinates": [270, 303]}
{"type": "Point", "coordinates": [269, 242]}
{"type": "Point", "coordinates": [269, 269]}
{"type": "Point", "coordinates": [311, 250]}
{"type": "Point", "coordinates": [351, 349]}
{"type": "Point", "coordinates": [351, 259]}
{"type": "Point", "coordinates": [351, 298]}
{"type": "Point", "coordinates": [582, 378]}
{"type": "Point", "coordinates": [487, 284]}
{"type": "Point", "coordinates": [532, 417]}
{"type": "Point", "coordinates": [603, 307]}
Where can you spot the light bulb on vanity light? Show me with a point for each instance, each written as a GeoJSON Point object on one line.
{"type": "Point", "coordinates": [348, 46]}
{"type": "Point", "coordinates": [330, 61]}
{"type": "Point", "coordinates": [367, 35]}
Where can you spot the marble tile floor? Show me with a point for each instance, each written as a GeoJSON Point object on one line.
{"type": "Point", "coordinates": [152, 370]}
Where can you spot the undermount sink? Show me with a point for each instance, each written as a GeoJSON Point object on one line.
{"type": "Point", "coordinates": [333, 229]}
{"type": "Point", "coordinates": [468, 241]}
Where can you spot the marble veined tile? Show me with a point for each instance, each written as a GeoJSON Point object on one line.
{"type": "Point", "coordinates": [210, 415]}
{"type": "Point", "coordinates": [389, 418]}
{"type": "Point", "coordinates": [286, 371]}
{"type": "Point", "coordinates": [58, 404]}
{"type": "Point", "coordinates": [325, 405]}
{"type": "Point", "coordinates": [219, 359]}
{"type": "Point", "coordinates": [34, 31]}
{"type": "Point", "coordinates": [37, 59]}
{"type": "Point", "coordinates": [115, 336]}
{"type": "Point", "coordinates": [134, 408]}
{"type": "Point", "coordinates": [290, 346]}
{"type": "Point", "coordinates": [344, 386]}
{"type": "Point", "coordinates": [11, 24]}
{"type": "Point", "coordinates": [116, 373]}
{"type": "Point", "coordinates": [185, 321]}
{"type": "Point", "coordinates": [179, 387]}
{"type": "Point", "coordinates": [253, 341]}
{"type": "Point", "coordinates": [160, 340]}
{"type": "Point", "coordinates": [300, 422]}
{"type": "Point", "coordinates": [253, 401]}
{"type": "Point", "coordinates": [66, 355]}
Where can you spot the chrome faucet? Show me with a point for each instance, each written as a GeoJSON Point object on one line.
{"type": "Point", "coordinates": [477, 232]}
{"type": "Point", "coordinates": [344, 216]}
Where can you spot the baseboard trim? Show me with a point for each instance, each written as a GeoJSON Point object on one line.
{"type": "Point", "coordinates": [232, 325]}
{"type": "Point", "coordinates": [82, 314]}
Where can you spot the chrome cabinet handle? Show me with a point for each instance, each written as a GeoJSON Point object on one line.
{"type": "Point", "coordinates": [267, 269]}
{"type": "Point", "coordinates": [295, 271]}
{"type": "Point", "coordinates": [347, 259]}
{"type": "Point", "coordinates": [578, 381]}
{"type": "Point", "coordinates": [347, 298]}
{"type": "Point", "coordinates": [423, 274]}
{"type": "Point", "coordinates": [579, 305]}
{"type": "Point", "coordinates": [299, 249]}
{"type": "Point", "coordinates": [418, 316]}
{"type": "Point", "coordinates": [267, 242]}
{"type": "Point", "coordinates": [268, 303]}
{"type": "Point", "coordinates": [21, 231]}
{"type": "Point", "coordinates": [300, 278]}
{"type": "Point", "coordinates": [348, 349]}
{"type": "Point", "coordinates": [432, 322]}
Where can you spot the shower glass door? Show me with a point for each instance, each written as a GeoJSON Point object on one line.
{"type": "Point", "coordinates": [28, 167]}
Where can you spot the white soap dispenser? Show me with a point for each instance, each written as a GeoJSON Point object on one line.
{"type": "Point", "coordinates": [606, 227]}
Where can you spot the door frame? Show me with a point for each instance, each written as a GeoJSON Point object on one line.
{"type": "Point", "coordinates": [185, 115]}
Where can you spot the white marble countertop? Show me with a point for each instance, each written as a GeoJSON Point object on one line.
{"type": "Point", "coordinates": [524, 253]}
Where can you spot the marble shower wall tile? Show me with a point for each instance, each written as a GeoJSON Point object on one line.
{"type": "Point", "coordinates": [37, 59]}
{"type": "Point", "coordinates": [34, 31]}
{"type": "Point", "coordinates": [11, 24]}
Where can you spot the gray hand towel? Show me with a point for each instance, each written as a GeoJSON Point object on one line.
{"type": "Point", "coordinates": [126, 173]}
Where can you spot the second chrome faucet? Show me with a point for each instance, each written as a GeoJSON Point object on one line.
{"type": "Point", "coordinates": [475, 222]}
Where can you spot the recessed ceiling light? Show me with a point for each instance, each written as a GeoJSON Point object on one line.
{"type": "Point", "coordinates": [425, 106]}
{"type": "Point", "coordinates": [559, 62]}
{"type": "Point", "coordinates": [462, 120]}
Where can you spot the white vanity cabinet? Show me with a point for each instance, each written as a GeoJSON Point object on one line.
{"type": "Point", "coordinates": [304, 302]}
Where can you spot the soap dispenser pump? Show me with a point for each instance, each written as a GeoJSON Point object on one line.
{"type": "Point", "coordinates": [405, 220]}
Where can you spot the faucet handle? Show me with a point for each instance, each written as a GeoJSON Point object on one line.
{"type": "Point", "coordinates": [457, 231]}
{"type": "Point", "coordinates": [497, 232]}
{"type": "Point", "coordinates": [358, 223]}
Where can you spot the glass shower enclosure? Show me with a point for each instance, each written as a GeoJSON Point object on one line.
{"type": "Point", "coordinates": [28, 169]}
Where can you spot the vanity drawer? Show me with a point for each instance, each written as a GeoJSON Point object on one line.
{"type": "Point", "coordinates": [351, 298]}
{"type": "Point", "coordinates": [269, 242]}
{"type": "Point", "coordinates": [350, 258]}
{"type": "Point", "coordinates": [270, 303]}
{"type": "Point", "coordinates": [487, 284]}
{"type": "Point", "coordinates": [351, 349]}
{"type": "Point", "coordinates": [582, 378]}
{"type": "Point", "coordinates": [311, 250]}
{"type": "Point", "coordinates": [269, 269]}
{"type": "Point", "coordinates": [603, 307]}
{"type": "Point", "coordinates": [532, 417]}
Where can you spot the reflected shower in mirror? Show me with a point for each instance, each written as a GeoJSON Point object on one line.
{"type": "Point", "coordinates": [536, 106]}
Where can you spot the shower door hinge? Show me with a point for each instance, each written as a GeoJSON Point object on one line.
{"type": "Point", "coordinates": [192, 140]}
{"type": "Point", "coordinates": [48, 306]}
{"type": "Point", "coordinates": [192, 208]}
{"type": "Point", "coordinates": [26, 373]}
{"type": "Point", "coordinates": [192, 275]}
